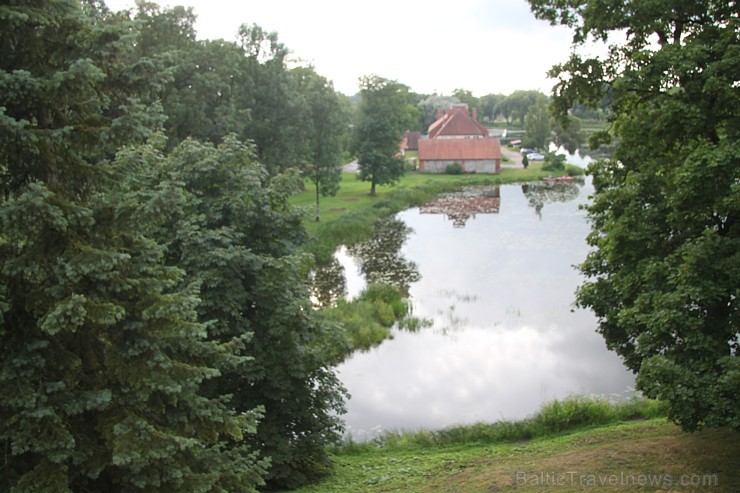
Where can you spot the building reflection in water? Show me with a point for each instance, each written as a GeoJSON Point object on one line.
{"type": "Point", "coordinates": [461, 206]}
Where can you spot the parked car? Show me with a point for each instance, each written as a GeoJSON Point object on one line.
{"type": "Point", "coordinates": [535, 156]}
{"type": "Point", "coordinates": [526, 151]}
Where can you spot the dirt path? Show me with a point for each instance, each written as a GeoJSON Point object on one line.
{"type": "Point", "coordinates": [516, 158]}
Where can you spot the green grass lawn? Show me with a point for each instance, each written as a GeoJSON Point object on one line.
{"type": "Point", "coordinates": [651, 455]}
{"type": "Point", "coordinates": [354, 195]}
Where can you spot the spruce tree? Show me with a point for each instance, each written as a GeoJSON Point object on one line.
{"type": "Point", "coordinates": [229, 225]}
{"type": "Point", "coordinates": [102, 355]}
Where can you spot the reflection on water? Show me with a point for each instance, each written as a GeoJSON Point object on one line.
{"type": "Point", "coordinates": [505, 336]}
{"type": "Point", "coordinates": [377, 260]}
{"type": "Point", "coordinates": [380, 259]}
{"type": "Point", "coordinates": [461, 206]}
{"type": "Point", "coordinates": [540, 193]}
{"type": "Point", "coordinates": [328, 283]}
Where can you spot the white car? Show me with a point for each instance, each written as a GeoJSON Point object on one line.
{"type": "Point", "coordinates": [535, 156]}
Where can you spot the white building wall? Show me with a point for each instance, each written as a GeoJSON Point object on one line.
{"type": "Point", "coordinates": [475, 166]}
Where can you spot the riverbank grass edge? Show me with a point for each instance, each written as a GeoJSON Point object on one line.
{"type": "Point", "coordinates": [578, 444]}
{"type": "Point", "coordinates": [645, 455]}
{"type": "Point", "coordinates": [349, 216]}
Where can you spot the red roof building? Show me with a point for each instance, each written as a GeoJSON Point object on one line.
{"type": "Point", "coordinates": [410, 141]}
{"type": "Point", "coordinates": [457, 138]}
{"type": "Point", "coordinates": [456, 123]}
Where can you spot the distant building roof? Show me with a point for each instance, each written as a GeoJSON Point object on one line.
{"type": "Point", "coordinates": [456, 122]}
{"type": "Point", "coordinates": [410, 140]}
{"type": "Point", "coordinates": [459, 149]}
{"type": "Point", "coordinates": [413, 140]}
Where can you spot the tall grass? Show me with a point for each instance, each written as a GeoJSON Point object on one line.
{"type": "Point", "coordinates": [553, 418]}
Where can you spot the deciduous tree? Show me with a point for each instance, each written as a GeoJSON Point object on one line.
{"type": "Point", "coordinates": [229, 226]}
{"type": "Point", "coordinates": [384, 115]}
{"type": "Point", "coordinates": [664, 274]}
{"type": "Point", "coordinates": [537, 125]}
{"type": "Point", "coordinates": [326, 123]}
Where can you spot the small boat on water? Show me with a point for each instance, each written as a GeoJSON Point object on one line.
{"type": "Point", "coordinates": [558, 178]}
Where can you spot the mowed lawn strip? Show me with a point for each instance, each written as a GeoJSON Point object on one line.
{"type": "Point", "coordinates": [651, 455]}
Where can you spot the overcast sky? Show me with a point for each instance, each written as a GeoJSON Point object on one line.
{"type": "Point", "coordinates": [485, 46]}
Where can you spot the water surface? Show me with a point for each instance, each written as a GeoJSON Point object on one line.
{"type": "Point", "coordinates": [497, 284]}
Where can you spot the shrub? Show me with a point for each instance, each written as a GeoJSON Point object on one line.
{"type": "Point", "coordinates": [554, 162]}
{"type": "Point", "coordinates": [454, 169]}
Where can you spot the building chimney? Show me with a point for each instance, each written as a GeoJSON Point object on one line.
{"type": "Point", "coordinates": [475, 114]}
{"type": "Point", "coordinates": [439, 113]}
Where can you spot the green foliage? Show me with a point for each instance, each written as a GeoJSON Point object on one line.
{"type": "Point", "coordinates": [567, 133]}
{"type": "Point", "coordinates": [537, 125]}
{"type": "Point", "coordinates": [554, 162]}
{"type": "Point", "coordinates": [384, 115]}
{"type": "Point", "coordinates": [154, 322]}
{"type": "Point", "coordinates": [103, 358]}
{"type": "Point", "coordinates": [325, 129]}
{"type": "Point", "coordinates": [517, 104]}
{"type": "Point", "coordinates": [466, 97]}
{"type": "Point", "coordinates": [454, 169]}
{"type": "Point", "coordinates": [489, 106]}
{"type": "Point", "coordinates": [664, 273]}
{"type": "Point", "coordinates": [369, 318]}
{"type": "Point", "coordinates": [228, 225]}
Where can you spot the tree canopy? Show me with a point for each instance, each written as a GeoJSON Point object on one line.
{"type": "Point", "coordinates": [664, 274]}
{"type": "Point", "coordinates": [537, 125]}
{"type": "Point", "coordinates": [385, 113]}
{"type": "Point", "coordinates": [155, 328]}
{"type": "Point", "coordinates": [103, 356]}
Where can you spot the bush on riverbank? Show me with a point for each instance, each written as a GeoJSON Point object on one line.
{"type": "Point", "coordinates": [554, 417]}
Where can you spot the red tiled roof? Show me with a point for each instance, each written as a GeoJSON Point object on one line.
{"type": "Point", "coordinates": [459, 149]}
{"type": "Point", "coordinates": [413, 140]}
{"type": "Point", "coordinates": [456, 122]}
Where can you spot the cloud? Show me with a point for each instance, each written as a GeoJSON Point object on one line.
{"type": "Point", "coordinates": [493, 46]}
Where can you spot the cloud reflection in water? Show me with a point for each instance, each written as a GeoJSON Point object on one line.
{"type": "Point", "coordinates": [505, 338]}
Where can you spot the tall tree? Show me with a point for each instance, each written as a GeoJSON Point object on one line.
{"type": "Point", "coordinates": [103, 359]}
{"type": "Point", "coordinates": [537, 125]}
{"type": "Point", "coordinates": [326, 123]}
{"type": "Point", "coordinates": [489, 104]}
{"type": "Point", "coordinates": [384, 115]}
{"type": "Point", "coordinates": [465, 96]}
{"type": "Point", "coordinates": [230, 227]}
{"type": "Point", "coordinates": [664, 273]}
{"type": "Point", "coordinates": [517, 104]}
{"type": "Point", "coordinates": [274, 104]}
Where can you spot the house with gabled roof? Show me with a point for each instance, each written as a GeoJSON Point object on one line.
{"type": "Point", "coordinates": [456, 137]}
